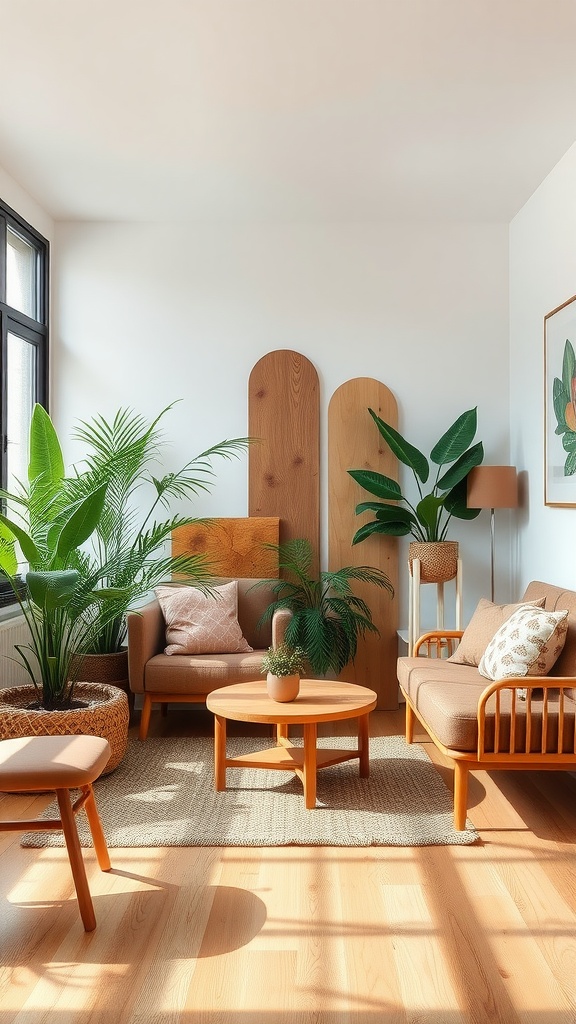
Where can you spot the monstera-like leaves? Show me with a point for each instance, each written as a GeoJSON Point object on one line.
{"type": "Point", "coordinates": [428, 518]}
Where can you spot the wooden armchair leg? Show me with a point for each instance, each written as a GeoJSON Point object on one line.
{"type": "Point", "coordinates": [145, 717]}
{"type": "Point", "coordinates": [460, 795]}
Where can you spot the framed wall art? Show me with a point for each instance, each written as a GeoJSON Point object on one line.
{"type": "Point", "coordinates": [560, 405]}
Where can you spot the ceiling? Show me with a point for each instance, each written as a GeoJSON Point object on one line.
{"type": "Point", "coordinates": [285, 110]}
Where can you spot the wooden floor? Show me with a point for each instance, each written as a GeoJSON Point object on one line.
{"type": "Point", "coordinates": [483, 933]}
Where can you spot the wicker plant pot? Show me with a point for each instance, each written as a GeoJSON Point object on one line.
{"type": "Point", "coordinates": [108, 668]}
{"type": "Point", "coordinates": [438, 560]}
{"type": "Point", "coordinates": [105, 714]}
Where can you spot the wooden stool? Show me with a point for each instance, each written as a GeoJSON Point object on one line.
{"type": "Point", "coordinates": [38, 763]}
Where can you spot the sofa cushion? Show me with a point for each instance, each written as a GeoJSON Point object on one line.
{"type": "Point", "coordinates": [527, 644]}
{"type": "Point", "coordinates": [200, 673]}
{"type": "Point", "coordinates": [484, 623]}
{"type": "Point", "coordinates": [198, 623]}
{"type": "Point", "coordinates": [446, 697]}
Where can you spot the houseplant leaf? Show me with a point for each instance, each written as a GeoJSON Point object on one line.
{"type": "Point", "coordinates": [428, 518]}
{"type": "Point", "coordinates": [456, 440]}
{"type": "Point", "coordinates": [402, 449]}
{"type": "Point", "coordinates": [377, 484]}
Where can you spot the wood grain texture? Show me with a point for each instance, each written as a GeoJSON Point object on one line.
{"type": "Point", "coordinates": [319, 700]}
{"type": "Point", "coordinates": [233, 547]}
{"type": "Point", "coordinates": [284, 468]}
{"type": "Point", "coordinates": [354, 443]}
{"type": "Point", "coordinates": [482, 934]}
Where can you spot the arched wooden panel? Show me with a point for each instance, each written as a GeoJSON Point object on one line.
{"type": "Point", "coordinates": [354, 443]}
{"type": "Point", "coordinates": [284, 466]}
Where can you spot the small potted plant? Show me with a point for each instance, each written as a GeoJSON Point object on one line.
{"type": "Point", "coordinates": [283, 666]}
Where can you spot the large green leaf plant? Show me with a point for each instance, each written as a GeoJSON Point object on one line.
{"type": "Point", "coordinates": [48, 526]}
{"type": "Point", "coordinates": [428, 518]}
{"type": "Point", "coordinates": [94, 541]}
{"type": "Point", "coordinates": [327, 616]}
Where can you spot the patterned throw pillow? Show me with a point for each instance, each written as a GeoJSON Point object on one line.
{"type": "Point", "coordinates": [200, 624]}
{"type": "Point", "coordinates": [527, 644]}
{"type": "Point", "coordinates": [487, 618]}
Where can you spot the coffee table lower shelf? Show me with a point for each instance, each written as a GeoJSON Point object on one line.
{"type": "Point", "coordinates": [304, 761]}
{"type": "Point", "coordinates": [289, 758]}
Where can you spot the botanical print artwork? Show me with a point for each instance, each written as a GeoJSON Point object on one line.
{"type": "Point", "coordinates": [564, 398]}
{"type": "Point", "coordinates": [560, 405]}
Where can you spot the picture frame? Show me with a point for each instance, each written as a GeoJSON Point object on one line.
{"type": "Point", "coordinates": [560, 405]}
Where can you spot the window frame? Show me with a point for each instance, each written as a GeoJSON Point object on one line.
{"type": "Point", "coordinates": [13, 321]}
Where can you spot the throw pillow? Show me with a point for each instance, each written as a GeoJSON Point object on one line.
{"type": "Point", "coordinates": [527, 644]}
{"type": "Point", "coordinates": [487, 618]}
{"type": "Point", "coordinates": [200, 624]}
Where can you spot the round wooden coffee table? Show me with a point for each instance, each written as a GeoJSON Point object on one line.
{"type": "Point", "coordinates": [319, 700]}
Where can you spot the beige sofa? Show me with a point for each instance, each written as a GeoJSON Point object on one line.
{"type": "Point", "coordinates": [521, 723]}
{"type": "Point", "coordinates": [166, 679]}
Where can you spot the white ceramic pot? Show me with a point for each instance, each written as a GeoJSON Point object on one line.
{"type": "Point", "coordinates": [282, 688]}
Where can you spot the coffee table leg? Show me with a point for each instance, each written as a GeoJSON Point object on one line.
{"type": "Point", "coordinates": [281, 732]}
{"type": "Point", "coordinates": [364, 746]}
{"type": "Point", "coordinates": [310, 764]}
{"type": "Point", "coordinates": [219, 753]}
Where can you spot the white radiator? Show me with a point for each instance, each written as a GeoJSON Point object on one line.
{"type": "Point", "coordinates": [12, 631]}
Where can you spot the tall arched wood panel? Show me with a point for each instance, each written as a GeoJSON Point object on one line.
{"type": "Point", "coordinates": [284, 465]}
{"type": "Point", "coordinates": [354, 443]}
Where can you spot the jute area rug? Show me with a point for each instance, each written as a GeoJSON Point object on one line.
{"type": "Point", "coordinates": [163, 794]}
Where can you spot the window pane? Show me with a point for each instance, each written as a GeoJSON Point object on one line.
{"type": "Point", "coordinates": [21, 398]}
{"type": "Point", "coordinates": [21, 290]}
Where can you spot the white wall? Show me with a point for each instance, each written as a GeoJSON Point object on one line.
{"type": "Point", "coordinates": [542, 276]}
{"type": "Point", "coordinates": [150, 313]}
{"type": "Point", "coordinates": [20, 201]}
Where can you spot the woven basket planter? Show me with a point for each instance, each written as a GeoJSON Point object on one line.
{"type": "Point", "coordinates": [105, 714]}
{"type": "Point", "coordinates": [438, 560]}
{"type": "Point", "coordinates": [106, 668]}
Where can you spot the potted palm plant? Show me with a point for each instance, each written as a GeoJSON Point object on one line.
{"type": "Point", "coordinates": [49, 527]}
{"type": "Point", "coordinates": [428, 519]}
{"type": "Point", "coordinates": [327, 616]}
{"type": "Point", "coordinates": [127, 553]}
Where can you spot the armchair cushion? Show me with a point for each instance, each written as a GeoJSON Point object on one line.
{"type": "Point", "coordinates": [198, 623]}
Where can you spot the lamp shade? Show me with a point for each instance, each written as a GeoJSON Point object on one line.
{"type": "Point", "coordinates": [492, 487]}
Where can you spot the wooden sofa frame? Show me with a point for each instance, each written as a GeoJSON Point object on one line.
{"type": "Point", "coordinates": [497, 757]}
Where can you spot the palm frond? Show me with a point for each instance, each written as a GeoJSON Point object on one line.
{"type": "Point", "coordinates": [327, 616]}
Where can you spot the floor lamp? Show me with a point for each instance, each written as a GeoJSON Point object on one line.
{"type": "Point", "coordinates": [492, 487]}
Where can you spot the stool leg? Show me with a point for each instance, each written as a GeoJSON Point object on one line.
{"type": "Point", "coordinates": [96, 829]}
{"type": "Point", "coordinates": [76, 862]}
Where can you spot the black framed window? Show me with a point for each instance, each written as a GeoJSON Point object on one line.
{"type": "Point", "coordinates": [24, 269]}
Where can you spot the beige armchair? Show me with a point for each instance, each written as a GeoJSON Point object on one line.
{"type": "Point", "coordinates": [167, 679]}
